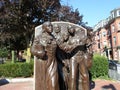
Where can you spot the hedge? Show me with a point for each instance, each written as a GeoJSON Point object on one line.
{"type": "Point", "coordinates": [16, 70]}
{"type": "Point", "coordinates": [99, 66]}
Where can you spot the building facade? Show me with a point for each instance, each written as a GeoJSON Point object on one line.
{"type": "Point", "coordinates": [107, 36]}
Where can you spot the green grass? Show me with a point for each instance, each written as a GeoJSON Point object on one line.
{"type": "Point", "coordinates": [104, 78]}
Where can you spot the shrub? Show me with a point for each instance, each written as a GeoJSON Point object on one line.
{"type": "Point", "coordinates": [3, 52]}
{"type": "Point", "coordinates": [99, 66]}
{"type": "Point", "coordinates": [16, 70]}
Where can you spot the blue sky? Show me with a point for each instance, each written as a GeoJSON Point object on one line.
{"type": "Point", "coordinates": [93, 10]}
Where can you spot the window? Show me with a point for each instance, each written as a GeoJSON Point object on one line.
{"type": "Point", "coordinates": [113, 28]}
{"type": "Point", "coordinates": [110, 42]}
{"type": "Point", "coordinates": [109, 32]}
{"type": "Point", "coordinates": [114, 40]}
{"type": "Point", "coordinates": [104, 34]}
{"type": "Point", "coordinates": [112, 14]}
{"type": "Point", "coordinates": [118, 13]}
{"type": "Point", "coordinates": [119, 25]}
{"type": "Point", "coordinates": [104, 43]}
{"type": "Point", "coordinates": [99, 45]}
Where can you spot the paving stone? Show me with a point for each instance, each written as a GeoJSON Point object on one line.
{"type": "Point", "coordinates": [99, 85]}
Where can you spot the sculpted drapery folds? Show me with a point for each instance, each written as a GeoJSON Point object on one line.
{"type": "Point", "coordinates": [44, 48]}
{"type": "Point", "coordinates": [63, 53]}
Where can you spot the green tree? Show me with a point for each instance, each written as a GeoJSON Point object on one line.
{"type": "Point", "coordinates": [66, 13]}
{"type": "Point", "coordinates": [19, 17]}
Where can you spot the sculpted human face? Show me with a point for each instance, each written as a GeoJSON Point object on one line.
{"type": "Point", "coordinates": [65, 36]}
{"type": "Point", "coordinates": [71, 30]}
{"type": "Point", "coordinates": [56, 29]}
{"type": "Point", "coordinates": [47, 26]}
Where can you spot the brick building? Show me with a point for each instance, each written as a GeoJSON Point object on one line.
{"type": "Point", "coordinates": [107, 36]}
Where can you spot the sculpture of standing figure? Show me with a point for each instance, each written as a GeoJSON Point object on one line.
{"type": "Point", "coordinates": [78, 68]}
{"type": "Point", "coordinates": [65, 48]}
{"type": "Point", "coordinates": [63, 56]}
{"type": "Point", "coordinates": [44, 48]}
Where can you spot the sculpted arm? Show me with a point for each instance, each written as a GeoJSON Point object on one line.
{"type": "Point", "coordinates": [37, 49]}
{"type": "Point", "coordinates": [67, 47]}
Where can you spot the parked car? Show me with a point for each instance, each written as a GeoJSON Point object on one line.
{"type": "Point", "coordinates": [112, 64]}
{"type": "Point", "coordinates": [114, 69]}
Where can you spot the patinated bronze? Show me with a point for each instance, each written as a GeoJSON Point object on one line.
{"type": "Point", "coordinates": [44, 48]}
{"type": "Point", "coordinates": [63, 56]}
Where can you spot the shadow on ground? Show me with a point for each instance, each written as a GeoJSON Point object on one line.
{"type": "Point", "coordinates": [3, 82]}
{"type": "Point", "coordinates": [110, 86]}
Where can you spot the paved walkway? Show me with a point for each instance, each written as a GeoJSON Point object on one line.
{"type": "Point", "coordinates": [106, 85]}
{"type": "Point", "coordinates": [28, 85]}
{"type": "Point", "coordinates": [17, 86]}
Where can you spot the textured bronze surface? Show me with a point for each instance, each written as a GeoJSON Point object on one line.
{"type": "Point", "coordinates": [63, 56]}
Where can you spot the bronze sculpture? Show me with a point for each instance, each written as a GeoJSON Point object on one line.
{"type": "Point", "coordinates": [76, 64]}
{"type": "Point", "coordinates": [63, 55]}
{"type": "Point", "coordinates": [44, 47]}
